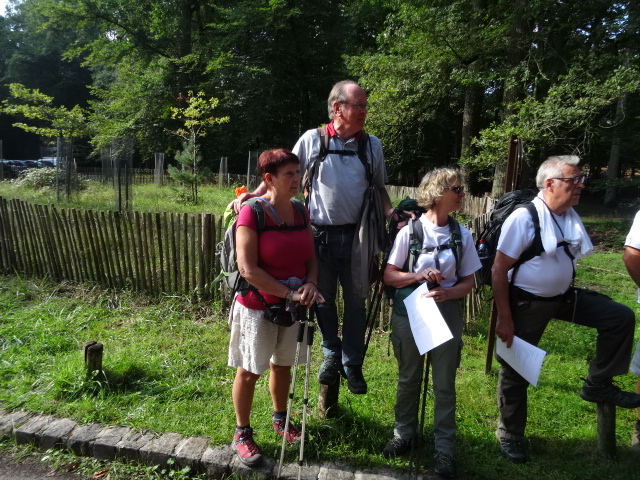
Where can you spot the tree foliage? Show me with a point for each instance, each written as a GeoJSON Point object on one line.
{"type": "Point", "coordinates": [195, 115]}
{"type": "Point", "coordinates": [47, 119]}
{"type": "Point", "coordinates": [448, 80]}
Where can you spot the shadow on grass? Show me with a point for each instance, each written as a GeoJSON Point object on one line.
{"type": "Point", "coordinates": [561, 459]}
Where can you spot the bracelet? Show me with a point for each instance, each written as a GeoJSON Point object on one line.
{"type": "Point", "coordinates": [313, 284]}
{"type": "Point", "coordinates": [291, 292]}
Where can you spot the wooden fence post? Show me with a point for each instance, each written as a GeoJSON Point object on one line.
{"type": "Point", "coordinates": [93, 356]}
{"type": "Point", "coordinates": [327, 399]}
{"type": "Point", "coordinates": [606, 429]}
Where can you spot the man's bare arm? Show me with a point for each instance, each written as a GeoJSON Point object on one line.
{"type": "Point", "coordinates": [631, 259]}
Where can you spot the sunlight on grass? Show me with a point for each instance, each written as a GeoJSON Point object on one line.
{"type": "Point", "coordinates": [144, 198]}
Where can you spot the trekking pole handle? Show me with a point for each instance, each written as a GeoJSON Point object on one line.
{"type": "Point", "coordinates": [312, 330]}
{"type": "Point", "coordinates": [301, 326]}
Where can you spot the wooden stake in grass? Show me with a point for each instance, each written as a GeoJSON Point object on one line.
{"type": "Point", "coordinates": [606, 429]}
{"type": "Point", "coordinates": [93, 356]}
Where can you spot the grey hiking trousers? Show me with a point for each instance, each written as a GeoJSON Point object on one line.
{"type": "Point", "coordinates": [444, 364]}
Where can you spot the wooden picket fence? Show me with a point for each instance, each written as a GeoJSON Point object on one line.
{"type": "Point", "coordinates": [156, 253]}
{"type": "Point", "coordinates": [151, 252]}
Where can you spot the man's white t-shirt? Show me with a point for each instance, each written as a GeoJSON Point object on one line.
{"type": "Point", "coordinates": [546, 275]}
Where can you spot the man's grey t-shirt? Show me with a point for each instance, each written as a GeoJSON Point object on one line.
{"type": "Point", "coordinates": [338, 192]}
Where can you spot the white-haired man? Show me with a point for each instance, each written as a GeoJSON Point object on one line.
{"type": "Point", "coordinates": [541, 289]}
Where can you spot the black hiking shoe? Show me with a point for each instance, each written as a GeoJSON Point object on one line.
{"type": "Point", "coordinates": [355, 379]}
{"type": "Point", "coordinates": [513, 450]}
{"type": "Point", "coordinates": [330, 371]}
{"type": "Point", "coordinates": [609, 393]}
{"type": "Point", "coordinates": [396, 447]}
{"type": "Point", "coordinates": [443, 464]}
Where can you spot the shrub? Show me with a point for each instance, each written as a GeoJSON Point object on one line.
{"type": "Point", "coordinates": [45, 178]}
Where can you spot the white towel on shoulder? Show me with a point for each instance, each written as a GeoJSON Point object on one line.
{"type": "Point", "coordinates": [574, 232]}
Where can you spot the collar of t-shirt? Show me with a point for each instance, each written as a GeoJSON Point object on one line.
{"type": "Point", "coordinates": [331, 131]}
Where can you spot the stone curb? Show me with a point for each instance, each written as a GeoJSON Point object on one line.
{"type": "Point", "coordinates": [148, 448]}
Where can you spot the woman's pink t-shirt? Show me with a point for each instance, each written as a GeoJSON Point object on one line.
{"type": "Point", "coordinates": [282, 254]}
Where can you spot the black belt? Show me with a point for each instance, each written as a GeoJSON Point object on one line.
{"type": "Point", "coordinates": [521, 294]}
{"type": "Point", "coordinates": [346, 226]}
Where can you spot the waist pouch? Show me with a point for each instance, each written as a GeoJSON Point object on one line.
{"type": "Point", "coordinates": [282, 314]}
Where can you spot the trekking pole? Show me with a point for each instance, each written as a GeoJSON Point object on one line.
{"type": "Point", "coordinates": [310, 332]}
{"type": "Point", "coordinates": [374, 309]}
{"type": "Point", "coordinates": [302, 330]}
{"type": "Point", "coordinates": [422, 403]}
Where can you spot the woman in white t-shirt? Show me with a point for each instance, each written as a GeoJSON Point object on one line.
{"type": "Point", "coordinates": [440, 192]}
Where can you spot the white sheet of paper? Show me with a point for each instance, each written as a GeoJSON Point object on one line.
{"type": "Point", "coordinates": [427, 325]}
{"type": "Point", "coordinates": [524, 358]}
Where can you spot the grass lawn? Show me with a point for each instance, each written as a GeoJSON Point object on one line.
{"type": "Point", "coordinates": [165, 370]}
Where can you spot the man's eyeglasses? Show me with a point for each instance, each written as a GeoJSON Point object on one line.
{"type": "Point", "coordinates": [582, 178]}
{"type": "Point", "coordinates": [457, 189]}
{"type": "Point", "coordinates": [359, 106]}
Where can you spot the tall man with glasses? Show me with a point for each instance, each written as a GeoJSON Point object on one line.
{"type": "Point", "coordinates": [335, 201]}
{"type": "Point", "coordinates": [542, 289]}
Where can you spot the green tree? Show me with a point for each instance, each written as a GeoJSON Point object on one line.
{"type": "Point", "coordinates": [195, 116]}
{"type": "Point", "coordinates": [446, 70]}
{"type": "Point", "coordinates": [46, 119]}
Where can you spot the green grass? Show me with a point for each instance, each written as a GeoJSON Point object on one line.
{"type": "Point", "coordinates": [145, 198]}
{"type": "Point", "coordinates": [165, 370]}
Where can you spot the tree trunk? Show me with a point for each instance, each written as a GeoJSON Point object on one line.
{"type": "Point", "coordinates": [519, 45]}
{"type": "Point", "coordinates": [613, 167]}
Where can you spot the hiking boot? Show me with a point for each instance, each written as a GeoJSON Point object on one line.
{"type": "Point", "coordinates": [293, 433]}
{"type": "Point", "coordinates": [610, 393]}
{"type": "Point", "coordinates": [513, 450]}
{"type": "Point", "coordinates": [635, 438]}
{"type": "Point", "coordinates": [396, 447]}
{"type": "Point", "coordinates": [355, 380]}
{"type": "Point", "coordinates": [443, 464]}
{"type": "Point", "coordinates": [330, 370]}
{"type": "Point", "coordinates": [247, 450]}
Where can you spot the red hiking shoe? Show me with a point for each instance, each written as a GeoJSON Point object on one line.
{"type": "Point", "coordinates": [247, 450]}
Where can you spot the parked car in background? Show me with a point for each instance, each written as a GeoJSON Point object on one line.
{"type": "Point", "coordinates": [52, 160]}
{"type": "Point", "coordinates": [46, 164]}
{"type": "Point", "coordinates": [7, 173]}
{"type": "Point", "coordinates": [31, 164]}
{"type": "Point", "coordinates": [14, 166]}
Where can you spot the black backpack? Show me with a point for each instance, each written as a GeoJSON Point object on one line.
{"type": "Point", "coordinates": [488, 240]}
{"type": "Point", "coordinates": [415, 242]}
{"type": "Point", "coordinates": [227, 247]}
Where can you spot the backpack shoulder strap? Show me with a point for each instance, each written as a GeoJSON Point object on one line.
{"type": "Point", "coordinates": [313, 165]}
{"type": "Point", "coordinates": [301, 211]}
{"type": "Point", "coordinates": [536, 247]}
{"type": "Point", "coordinates": [416, 236]}
{"type": "Point", "coordinates": [455, 241]}
{"type": "Point", "coordinates": [258, 210]}
{"type": "Point", "coordinates": [363, 143]}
